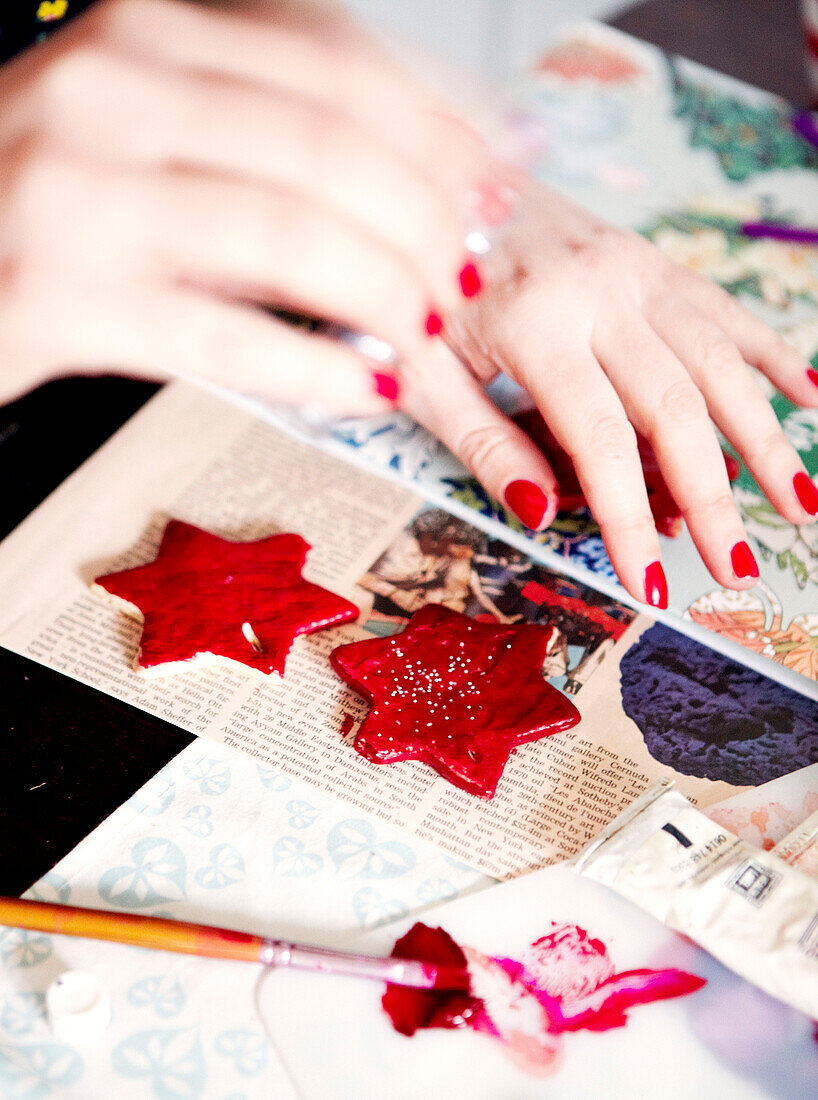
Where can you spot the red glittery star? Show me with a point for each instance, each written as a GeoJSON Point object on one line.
{"type": "Point", "coordinates": [456, 693]}
{"type": "Point", "coordinates": [205, 598]}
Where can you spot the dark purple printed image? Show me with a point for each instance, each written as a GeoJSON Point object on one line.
{"type": "Point", "coordinates": [707, 716]}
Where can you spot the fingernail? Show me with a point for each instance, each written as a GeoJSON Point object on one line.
{"type": "Point", "coordinates": [806, 492]}
{"type": "Point", "coordinates": [743, 561]}
{"type": "Point", "coordinates": [434, 323]}
{"type": "Point", "coordinates": [527, 501]}
{"type": "Point", "coordinates": [656, 585]}
{"type": "Point", "coordinates": [386, 385]}
{"type": "Point", "coordinates": [469, 278]}
{"type": "Point", "coordinates": [813, 376]}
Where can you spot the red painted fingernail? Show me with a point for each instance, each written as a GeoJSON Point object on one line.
{"type": "Point", "coordinates": [386, 385]}
{"type": "Point", "coordinates": [813, 376]}
{"type": "Point", "coordinates": [656, 585]}
{"type": "Point", "coordinates": [470, 282]}
{"type": "Point", "coordinates": [527, 501]}
{"type": "Point", "coordinates": [434, 323]}
{"type": "Point", "coordinates": [743, 561]}
{"type": "Point", "coordinates": [806, 492]}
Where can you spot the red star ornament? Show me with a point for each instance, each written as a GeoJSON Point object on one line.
{"type": "Point", "coordinates": [455, 693]}
{"type": "Point", "coordinates": [206, 599]}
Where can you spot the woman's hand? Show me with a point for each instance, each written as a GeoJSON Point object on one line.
{"type": "Point", "coordinates": [608, 336]}
{"type": "Point", "coordinates": [166, 168]}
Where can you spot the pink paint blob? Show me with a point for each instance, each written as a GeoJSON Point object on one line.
{"type": "Point", "coordinates": [564, 982]}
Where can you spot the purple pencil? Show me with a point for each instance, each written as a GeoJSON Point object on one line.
{"type": "Point", "coordinates": [792, 233]}
{"type": "Point", "coordinates": [804, 123]}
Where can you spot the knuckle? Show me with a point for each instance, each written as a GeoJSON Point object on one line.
{"type": "Point", "coordinates": [769, 449]}
{"type": "Point", "coordinates": [397, 285]}
{"type": "Point", "coordinates": [612, 438]}
{"type": "Point", "coordinates": [327, 137]}
{"type": "Point", "coordinates": [774, 347]}
{"type": "Point", "coordinates": [713, 507]}
{"type": "Point", "coordinates": [112, 17]}
{"type": "Point", "coordinates": [718, 355]}
{"type": "Point", "coordinates": [40, 175]}
{"type": "Point", "coordinates": [598, 254]}
{"type": "Point", "coordinates": [431, 224]}
{"type": "Point", "coordinates": [479, 446]}
{"type": "Point", "coordinates": [72, 74]}
{"type": "Point", "coordinates": [683, 402]}
{"type": "Point", "coordinates": [19, 276]}
{"type": "Point", "coordinates": [76, 80]}
{"type": "Point", "coordinates": [637, 527]}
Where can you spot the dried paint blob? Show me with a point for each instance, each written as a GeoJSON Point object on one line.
{"type": "Point", "coordinates": [666, 513]}
{"type": "Point", "coordinates": [705, 715]}
{"type": "Point", "coordinates": [206, 599]}
{"type": "Point", "coordinates": [565, 981]}
{"type": "Point", "coordinates": [455, 693]}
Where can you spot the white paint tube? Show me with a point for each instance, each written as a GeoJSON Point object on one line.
{"type": "Point", "coordinates": [799, 848]}
{"type": "Point", "coordinates": [751, 910]}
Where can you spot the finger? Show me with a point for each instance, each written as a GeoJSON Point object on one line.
{"type": "Point", "coordinates": [588, 420]}
{"type": "Point", "coordinates": [115, 110]}
{"type": "Point", "coordinates": [760, 346]}
{"type": "Point", "coordinates": [735, 403]}
{"type": "Point", "coordinates": [359, 79]}
{"type": "Point", "coordinates": [275, 247]}
{"type": "Point", "coordinates": [447, 399]}
{"type": "Point", "coordinates": [667, 407]}
{"type": "Point", "coordinates": [182, 332]}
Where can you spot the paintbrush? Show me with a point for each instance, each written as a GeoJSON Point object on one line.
{"type": "Point", "coordinates": [804, 123]}
{"type": "Point", "coordinates": [224, 943]}
{"type": "Point", "coordinates": [795, 233]}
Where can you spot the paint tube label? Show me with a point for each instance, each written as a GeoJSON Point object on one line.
{"type": "Point", "coordinates": [748, 908]}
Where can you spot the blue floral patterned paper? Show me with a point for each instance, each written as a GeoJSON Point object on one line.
{"type": "Point", "coordinates": [218, 839]}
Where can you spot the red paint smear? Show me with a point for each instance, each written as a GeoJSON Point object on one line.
{"type": "Point", "coordinates": [455, 693]}
{"type": "Point", "coordinates": [539, 594]}
{"type": "Point", "coordinates": [666, 512]}
{"type": "Point", "coordinates": [200, 590]}
{"type": "Point", "coordinates": [566, 973]}
{"type": "Point", "coordinates": [412, 1009]}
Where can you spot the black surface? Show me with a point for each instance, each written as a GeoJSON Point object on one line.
{"type": "Point", "coordinates": [47, 433]}
{"type": "Point", "coordinates": [69, 755]}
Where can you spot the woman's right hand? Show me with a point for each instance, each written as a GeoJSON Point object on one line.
{"type": "Point", "coordinates": [168, 168]}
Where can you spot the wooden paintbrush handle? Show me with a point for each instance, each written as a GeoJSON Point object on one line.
{"type": "Point", "coordinates": [129, 928]}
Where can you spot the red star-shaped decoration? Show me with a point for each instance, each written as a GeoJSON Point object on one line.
{"type": "Point", "coordinates": [456, 693]}
{"type": "Point", "coordinates": [205, 598]}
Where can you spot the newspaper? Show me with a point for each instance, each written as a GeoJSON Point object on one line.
{"type": "Point", "coordinates": [190, 455]}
